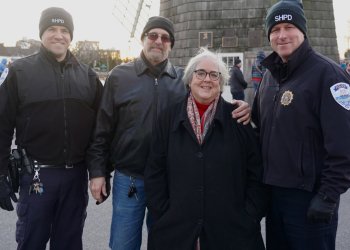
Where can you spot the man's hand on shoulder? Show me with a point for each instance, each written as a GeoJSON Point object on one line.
{"type": "Point", "coordinates": [242, 112]}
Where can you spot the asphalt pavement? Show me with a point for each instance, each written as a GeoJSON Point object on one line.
{"type": "Point", "coordinates": [97, 225]}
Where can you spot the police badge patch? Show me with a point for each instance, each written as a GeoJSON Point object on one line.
{"type": "Point", "coordinates": [4, 75]}
{"type": "Point", "coordinates": [286, 98]}
{"type": "Point", "coordinates": [341, 94]}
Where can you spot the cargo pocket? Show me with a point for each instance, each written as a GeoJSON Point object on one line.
{"type": "Point", "coordinates": [21, 223]}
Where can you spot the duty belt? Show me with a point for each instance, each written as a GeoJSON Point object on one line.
{"type": "Point", "coordinates": [67, 166]}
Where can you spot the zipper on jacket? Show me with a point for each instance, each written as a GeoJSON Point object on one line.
{"type": "Point", "coordinates": [271, 125]}
{"type": "Point", "coordinates": [155, 101]}
{"type": "Point", "coordinates": [65, 146]}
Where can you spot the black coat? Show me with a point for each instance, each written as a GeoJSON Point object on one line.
{"type": "Point", "coordinates": [211, 190]}
{"type": "Point", "coordinates": [236, 81]}
{"type": "Point", "coordinates": [131, 101]}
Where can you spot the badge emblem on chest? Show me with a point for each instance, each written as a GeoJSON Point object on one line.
{"type": "Point", "coordinates": [286, 98]}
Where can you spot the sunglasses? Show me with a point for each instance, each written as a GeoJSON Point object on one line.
{"type": "Point", "coordinates": [154, 36]}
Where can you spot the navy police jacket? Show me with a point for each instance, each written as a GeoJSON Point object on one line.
{"type": "Point", "coordinates": [51, 105]}
{"type": "Point", "coordinates": [302, 110]}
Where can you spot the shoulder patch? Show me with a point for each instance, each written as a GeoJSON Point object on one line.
{"type": "Point", "coordinates": [341, 94]}
{"type": "Point", "coordinates": [4, 75]}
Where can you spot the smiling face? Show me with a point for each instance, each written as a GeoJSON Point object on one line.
{"type": "Point", "coordinates": [56, 39]}
{"type": "Point", "coordinates": [205, 91]}
{"type": "Point", "coordinates": [285, 38]}
{"type": "Point", "coordinates": [156, 51]}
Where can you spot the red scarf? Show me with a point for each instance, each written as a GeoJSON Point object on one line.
{"type": "Point", "coordinates": [200, 123]}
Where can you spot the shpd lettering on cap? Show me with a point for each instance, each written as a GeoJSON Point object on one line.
{"type": "Point", "coordinates": [57, 20]}
{"type": "Point", "coordinates": [284, 17]}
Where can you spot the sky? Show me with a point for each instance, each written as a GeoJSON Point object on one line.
{"type": "Point", "coordinates": [94, 21]}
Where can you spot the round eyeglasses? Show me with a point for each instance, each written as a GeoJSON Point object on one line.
{"type": "Point", "coordinates": [201, 74]}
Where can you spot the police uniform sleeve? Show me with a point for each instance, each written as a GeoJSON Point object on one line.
{"type": "Point", "coordinates": [8, 110]}
{"type": "Point", "coordinates": [335, 125]}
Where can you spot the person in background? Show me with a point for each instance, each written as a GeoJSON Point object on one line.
{"type": "Point", "coordinates": [347, 69]}
{"type": "Point", "coordinates": [3, 69]}
{"type": "Point", "coordinates": [204, 176]}
{"type": "Point", "coordinates": [302, 111]}
{"type": "Point", "coordinates": [50, 98]}
{"type": "Point", "coordinates": [134, 95]}
{"type": "Point", "coordinates": [237, 82]}
{"type": "Point", "coordinates": [3, 65]}
{"type": "Point", "coordinates": [343, 65]}
{"type": "Point", "coordinates": [258, 70]}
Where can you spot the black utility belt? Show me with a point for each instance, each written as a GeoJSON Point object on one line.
{"type": "Point", "coordinates": [62, 166]}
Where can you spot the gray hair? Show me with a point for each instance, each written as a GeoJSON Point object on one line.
{"type": "Point", "coordinates": [202, 54]}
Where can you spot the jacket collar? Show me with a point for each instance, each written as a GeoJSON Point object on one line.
{"type": "Point", "coordinates": [70, 58]}
{"type": "Point", "coordinates": [275, 65]}
{"type": "Point", "coordinates": [141, 68]}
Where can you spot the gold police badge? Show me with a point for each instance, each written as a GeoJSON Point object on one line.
{"type": "Point", "coordinates": [286, 98]}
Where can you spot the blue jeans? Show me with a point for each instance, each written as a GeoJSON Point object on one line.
{"type": "Point", "coordinates": [128, 213]}
{"type": "Point", "coordinates": [287, 227]}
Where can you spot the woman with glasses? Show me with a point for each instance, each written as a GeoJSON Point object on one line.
{"type": "Point", "coordinates": [203, 178]}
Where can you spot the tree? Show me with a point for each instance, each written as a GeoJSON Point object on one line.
{"type": "Point", "coordinates": [87, 52]}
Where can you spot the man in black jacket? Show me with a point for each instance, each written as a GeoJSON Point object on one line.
{"type": "Point", "coordinates": [51, 100]}
{"type": "Point", "coordinates": [302, 110]}
{"type": "Point", "coordinates": [133, 97]}
{"type": "Point", "coordinates": [237, 82]}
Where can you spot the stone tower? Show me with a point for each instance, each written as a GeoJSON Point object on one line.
{"type": "Point", "coordinates": [236, 28]}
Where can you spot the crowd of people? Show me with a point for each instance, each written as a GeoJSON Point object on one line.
{"type": "Point", "coordinates": [207, 170]}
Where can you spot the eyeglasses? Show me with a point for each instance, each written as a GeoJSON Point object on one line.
{"type": "Point", "coordinates": [202, 74]}
{"type": "Point", "coordinates": [154, 36]}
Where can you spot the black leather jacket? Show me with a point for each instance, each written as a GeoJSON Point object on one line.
{"type": "Point", "coordinates": [132, 100]}
{"type": "Point", "coordinates": [51, 105]}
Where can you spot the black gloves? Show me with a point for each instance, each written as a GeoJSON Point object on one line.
{"type": "Point", "coordinates": [321, 209]}
{"type": "Point", "coordinates": [6, 193]}
{"type": "Point", "coordinates": [108, 189]}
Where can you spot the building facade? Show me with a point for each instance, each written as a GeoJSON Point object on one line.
{"type": "Point", "coordinates": [236, 27]}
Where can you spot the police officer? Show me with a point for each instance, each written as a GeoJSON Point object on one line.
{"type": "Point", "coordinates": [302, 109]}
{"type": "Point", "coordinates": [50, 99]}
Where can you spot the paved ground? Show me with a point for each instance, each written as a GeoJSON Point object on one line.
{"type": "Point", "coordinates": [98, 222]}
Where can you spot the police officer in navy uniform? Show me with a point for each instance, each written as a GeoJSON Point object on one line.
{"type": "Point", "coordinates": [302, 109]}
{"type": "Point", "coordinates": [50, 99]}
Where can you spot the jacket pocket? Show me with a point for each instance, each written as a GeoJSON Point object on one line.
{"type": "Point", "coordinates": [307, 160]}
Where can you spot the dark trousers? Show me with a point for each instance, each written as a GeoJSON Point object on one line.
{"type": "Point", "coordinates": [238, 95]}
{"type": "Point", "coordinates": [287, 227]}
{"type": "Point", "coordinates": [57, 215]}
